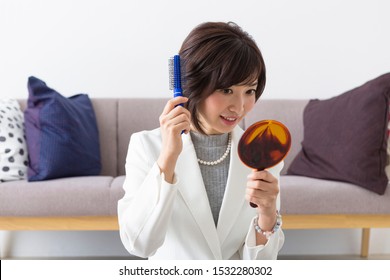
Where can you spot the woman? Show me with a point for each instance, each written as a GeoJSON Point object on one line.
{"type": "Point", "coordinates": [187, 194]}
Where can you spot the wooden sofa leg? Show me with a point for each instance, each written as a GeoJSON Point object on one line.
{"type": "Point", "coordinates": [365, 242]}
{"type": "Point", "coordinates": [6, 242]}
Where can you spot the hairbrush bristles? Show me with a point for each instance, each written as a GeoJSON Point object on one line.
{"type": "Point", "coordinates": [171, 75]}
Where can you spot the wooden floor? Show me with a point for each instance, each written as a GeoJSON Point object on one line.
{"type": "Point", "coordinates": [333, 257]}
{"type": "Point", "coordinates": [280, 257]}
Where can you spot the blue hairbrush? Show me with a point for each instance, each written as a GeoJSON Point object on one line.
{"type": "Point", "coordinates": [175, 76]}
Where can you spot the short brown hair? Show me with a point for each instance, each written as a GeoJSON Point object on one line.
{"type": "Point", "coordinates": [217, 55]}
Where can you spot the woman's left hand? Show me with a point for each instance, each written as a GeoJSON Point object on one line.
{"type": "Point", "coordinates": [262, 190]}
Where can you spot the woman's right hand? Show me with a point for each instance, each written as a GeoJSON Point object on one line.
{"type": "Point", "coordinates": [173, 120]}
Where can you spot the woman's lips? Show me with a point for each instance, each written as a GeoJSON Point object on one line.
{"type": "Point", "coordinates": [228, 120]}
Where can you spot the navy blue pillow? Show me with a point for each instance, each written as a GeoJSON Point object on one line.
{"type": "Point", "coordinates": [62, 134]}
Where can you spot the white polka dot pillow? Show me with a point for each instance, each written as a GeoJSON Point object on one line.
{"type": "Point", "coordinates": [13, 147]}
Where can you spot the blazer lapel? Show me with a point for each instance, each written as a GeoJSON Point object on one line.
{"type": "Point", "coordinates": [193, 191]}
{"type": "Point", "coordinates": [234, 197]}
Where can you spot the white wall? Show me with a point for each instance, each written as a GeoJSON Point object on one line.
{"type": "Point", "coordinates": [118, 48]}
{"type": "Point", "coordinates": [313, 49]}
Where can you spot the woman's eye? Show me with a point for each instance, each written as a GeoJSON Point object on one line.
{"type": "Point", "coordinates": [251, 91]}
{"type": "Point", "coordinates": [227, 90]}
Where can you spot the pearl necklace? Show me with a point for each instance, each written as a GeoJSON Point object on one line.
{"type": "Point", "coordinates": [215, 162]}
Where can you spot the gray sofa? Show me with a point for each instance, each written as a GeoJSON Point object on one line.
{"type": "Point", "coordinates": [90, 203]}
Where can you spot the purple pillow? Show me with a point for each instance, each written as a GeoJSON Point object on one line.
{"type": "Point", "coordinates": [62, 134]}
{"type": "Point", "coordinates": [345, 137]}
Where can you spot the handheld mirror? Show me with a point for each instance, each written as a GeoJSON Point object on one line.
{"type": "Point", "coordinates": [264, 144]}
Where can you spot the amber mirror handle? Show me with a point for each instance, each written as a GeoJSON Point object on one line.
{"type": "Point", "coordinates": [264, 144]}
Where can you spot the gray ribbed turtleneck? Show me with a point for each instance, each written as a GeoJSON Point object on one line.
{"type": "Point", "coordinates": [211, 148]}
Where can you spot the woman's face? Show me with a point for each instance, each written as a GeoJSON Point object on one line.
{"type": "Point", "coordinates": [221, 111]}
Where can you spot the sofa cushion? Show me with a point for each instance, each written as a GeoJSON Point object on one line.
{"type": "Point", "coordinates": [62, 134]}
{"type": "Point", "coordinates": [116, 193]}
{"type": "Point", "coordinates": [136, 114]}
{"type": "Point", "coordinates": [75, 196]}
{"type": "Point", "coordinates": [13, 148]}
{"type": "Point", "coordinates": [345, 137]}
{"type": "Point", "coordinates": [300, 195]}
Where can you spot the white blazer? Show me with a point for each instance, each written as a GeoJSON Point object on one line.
{"type": "Point", "coordinates": [174, 221]}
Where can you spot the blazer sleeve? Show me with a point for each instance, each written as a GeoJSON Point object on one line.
{"type": "Point", "coordinates": [270, 250]}
{"type": "Point", "coordinates": [145, 210]}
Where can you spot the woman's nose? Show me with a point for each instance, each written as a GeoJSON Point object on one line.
{"type": "Point", "coordinates": [238, 104]}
